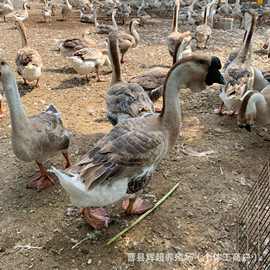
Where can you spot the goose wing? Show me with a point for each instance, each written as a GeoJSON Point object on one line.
{"type": "Point", "coordinates": [151, 79]}
{"type": "Point", "coordinates": [49, 130]}
{"type": "Point", "coordinates": [74, 43]}
{"type": "Point", "coordinates": [125, 152]}
{"type": "Point", "coordinates": [28, 55]}
{"type": "Point", "coordinates": [128, 99]}
{"type": "Point", "coordinates": [90, 54]}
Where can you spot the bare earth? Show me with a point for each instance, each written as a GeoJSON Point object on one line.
{"type": "Point", "coordinates": [199, 218]}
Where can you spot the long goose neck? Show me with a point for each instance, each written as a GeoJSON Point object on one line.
{"type": "Point", "coordinates": [242, 56]}
{"type": "Point", "coordinates": [205, 15]}
{"type": "Point", "coordinates": [18, 117]}
{"type": "Point", "coordinates": [134, 32]}
{"type": "Point", "coordinates": [115, 60]}
{"type": "Point", "coordinates": [175, 16]}
{"type": "Point", "coordinates": [114, 23]}
{"type": "Point", "coordinates": [95, 19]}
{"type": "Point", "coordinates": [171, 111]}
{"type": "Point", "coordinates": [22, 32]}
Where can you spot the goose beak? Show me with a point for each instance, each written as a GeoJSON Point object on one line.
{"type": "Point", "coordinates": [222, 80]}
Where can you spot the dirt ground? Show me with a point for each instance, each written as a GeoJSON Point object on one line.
{"type": "Point", "coordinates": [199, 219]}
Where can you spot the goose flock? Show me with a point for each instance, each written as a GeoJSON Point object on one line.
{"type": "Point", "coordinates": [123, 161]}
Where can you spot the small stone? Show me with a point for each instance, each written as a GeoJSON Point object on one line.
{"type": "Point", "coordinates": [85, 251]}
{"type": "Point", "coordinates": [89, 261]}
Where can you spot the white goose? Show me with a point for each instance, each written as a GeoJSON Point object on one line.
{"type": "Point", "coordinates": [86, 60]}
{"type": "Point", "coordinates": [23, 14]}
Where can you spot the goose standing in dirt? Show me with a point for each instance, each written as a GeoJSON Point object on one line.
{"type": "Point", "coordinates": [175, 36]}
{"type": "Point", "coordinates": [122, 162]}
{"type": "Point", "coordinates": [105, 28]}
{"type": "Point", "coordinates": [35, 138]}
{"type": "Point", "coordinates": [128, 41]}
{"type": "Point", "coordinates": [86, 60]}
{"type": "Point", "coordinates": [28, 60]}
{"type": "Point", "coordinates": [66, 9]}
{"type": "Point", "coordinates": [203, 32]}
{"type": "Point", "coordinates": [6, 7]}
{"type": "Point", "coordinates": [22, 15]}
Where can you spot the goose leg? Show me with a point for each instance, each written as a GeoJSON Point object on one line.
{"type": "Point", "coordinates": [220, 109]}
{"type": "Point", "coordinates": [97, 75]}
{"type": "Point", "coordinates": [25, 82]}
{"type": "Point", "coordinates": [135, 206]}
{"type": "Point", "coordinates": [97, 218]}
{"type": "Point", "coordinates": [66, 156]}
{"type": "Point", "coordinates": [1, 110]}
{"type": "Point", "coordinates": [43, 180]}
{"type": "Point", "coordinates": [122, 58]}
{"type": "Point", "coordinates": [37, 83]}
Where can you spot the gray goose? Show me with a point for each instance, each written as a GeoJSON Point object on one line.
{"type": "Point", "coordinates": [238, 66]}
{"type": "Point", "coordinates": [124, 100]}
{"type": "Point", "coordinates": [123, 161]}
{"type": "Point", "coordinates": [35, 138]}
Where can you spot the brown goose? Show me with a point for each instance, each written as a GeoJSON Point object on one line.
{"type": "Point", "coordinates": [152, 81]}
{"type": "Point", "coordinates": [35, 138]}
{"type": "Point", "coordinates": [105, 28]}
{"type": "Point", "coordinates": [203, 31]}
{"type": "Point", "coordinates": [28, 60]}
{"type": "Point", "coordinates": [123, 161]}
{"type": "Point", "coordinates": [175, 36]}
{"type": "Point", "coordinates": [128, 41]}
{"type": "Point", "coordinates": [124, 100]}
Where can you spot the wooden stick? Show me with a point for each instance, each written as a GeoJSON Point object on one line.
{"type": "Point", "coordinates": [163, 199]}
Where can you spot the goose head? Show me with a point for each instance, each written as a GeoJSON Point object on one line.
{"type": "Point", "coordinates": [214, 75]}
{"type": "Point", "coordinates": [26, 6]}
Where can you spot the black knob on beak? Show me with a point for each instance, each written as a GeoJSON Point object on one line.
{"type": "Point", "coordinates": [248, 127]}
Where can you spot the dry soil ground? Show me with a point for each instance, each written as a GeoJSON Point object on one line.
{"type": "Point", "coordinates": [200, 217]}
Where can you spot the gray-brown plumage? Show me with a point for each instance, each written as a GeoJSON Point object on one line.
{"type": "Point", "coordinates": [128, 41]}
{"type": "Point", "coordinates": [124, 100]}
{"type": "Point", "coordinates": [133, 149]}
{"type": "Point", "coordinates": [239, 65]}
{"type": "Point", "coordinates": [152, 81]}
{"type": "Point", "coordinates": [35, 138]}
{"type": "Point", "coordinates": [105, 28]}
{"type": "Point", "coordinates": [28, 60]}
